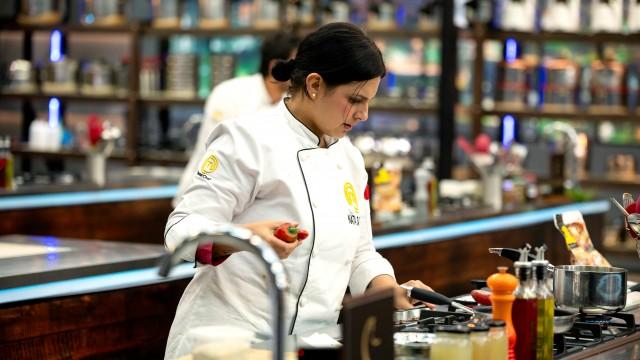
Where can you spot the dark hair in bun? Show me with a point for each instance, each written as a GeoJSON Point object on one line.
{"type": "Point", "coordinates": [340, 52]}
{"type": "Point", "coordinates": [282, 70]}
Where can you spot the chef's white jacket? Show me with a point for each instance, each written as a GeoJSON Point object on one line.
{"type": "Point", "coordinates": [230, 99]}
{"type": "Point", "coordinates": [269, 167]}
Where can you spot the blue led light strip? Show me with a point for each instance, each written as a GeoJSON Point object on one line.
{"type": "Point", "coordinates": [95, 283]}
{"type": "Point", "coordinates": [504, 222]}
{"type": "Point", "coordinates": [86, 197]}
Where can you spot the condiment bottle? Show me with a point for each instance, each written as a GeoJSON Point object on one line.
{"type": "Point", "coordinates": [498, 344]}
{"type": "Point", "coordinates": [479, 341]}
{"type": "Point", "coordinates": [451, 343]}
{"type": "Point", "coordinates": [6, 164]}
{"type": "Point", "coordinates": [502, 285]}
{"type": "Point", "coordinates": [524, 312]}
{"type": "Point", "coordinates": [545, 306]}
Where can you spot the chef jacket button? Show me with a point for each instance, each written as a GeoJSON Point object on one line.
{"type": "Point", "coordinates": [314, 204]}
{"type": "Point", "coordinates": [347, 262]}
{"type": "Point", "coordinates": [301, 303]}
{"type": "Point", "coordinates": [339, 166]}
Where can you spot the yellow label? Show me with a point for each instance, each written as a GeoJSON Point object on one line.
{"type": "Point", "coordinates": [382, 177]}
{"type": "Point", "coordinates": [209, 165]}
{"type": "Point", "coordinates": [568, 238]}
{"type": "Point", "coordinates": [350, 196]}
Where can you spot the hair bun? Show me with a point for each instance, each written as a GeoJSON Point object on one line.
{"type": "Point", "coordinates": [282, 70]}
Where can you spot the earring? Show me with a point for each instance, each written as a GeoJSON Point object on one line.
{"type": "Point", "coordinates": [313, 95]}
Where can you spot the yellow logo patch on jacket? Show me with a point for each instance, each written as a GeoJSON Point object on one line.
{"type": "Point", "coordinates": [209, 165]}
{"type": "Point", "coordinates": [350, 196]}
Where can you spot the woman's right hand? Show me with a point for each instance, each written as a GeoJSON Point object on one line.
{"type": "Point", "coordinates": [265, 230]}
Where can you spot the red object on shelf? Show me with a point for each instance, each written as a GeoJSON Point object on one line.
{"type": "Point", "coordinates": [94, 126]}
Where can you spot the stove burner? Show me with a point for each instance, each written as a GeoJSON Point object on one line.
{"type": "Point", "coordinates": [589, 331]}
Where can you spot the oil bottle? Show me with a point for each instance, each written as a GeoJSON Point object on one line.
{"type": "Point", "coordinates": [545, 306]}
{"type": "Point", "coordinates": [524, 311]}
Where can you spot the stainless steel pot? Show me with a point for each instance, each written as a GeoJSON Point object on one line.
{"type": "Point", "coordinates": [590, 289]}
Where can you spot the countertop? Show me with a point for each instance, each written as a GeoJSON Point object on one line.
{"type": "Point", "coordinates": [120, 265]}
{"type": "Point", "coordinates": [54, 267]}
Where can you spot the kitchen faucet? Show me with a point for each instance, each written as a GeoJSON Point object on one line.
{"type": "Point", "coordinates": [571, 159]}
{"type": "Point", "coordinates": [243, 239]}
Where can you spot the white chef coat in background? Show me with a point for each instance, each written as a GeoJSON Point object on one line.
{"type": "Point", "coordinates": [269, 167]}
{"type": "Point", "coordinates": [230, 99]}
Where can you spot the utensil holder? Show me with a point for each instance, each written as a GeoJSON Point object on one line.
{"type": "Point", "coordinates": [97, 168]}
{"type": "Point", "coordinates": [492, 190]}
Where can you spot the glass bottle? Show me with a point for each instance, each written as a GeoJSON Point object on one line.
{"type": "Point", "coordinates": [498, 344]}
{"type": "Point", "coordinates": [545, 305]}
{"type": "Point", "coordinates": [451, 343]}
{"type": "Point", "coordinates": [479, 341]}
{"type": "Point", "coordinates": [524, 312]}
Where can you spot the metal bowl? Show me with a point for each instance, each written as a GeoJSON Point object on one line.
{"type": "Point", "coordinates": [405, 316]}
{"type": "Point", "coordinates": [563, 321]}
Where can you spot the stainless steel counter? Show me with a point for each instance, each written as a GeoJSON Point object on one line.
{"type": "Point", "coordinates": [40, 267]}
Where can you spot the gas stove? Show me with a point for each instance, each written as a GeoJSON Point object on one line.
{"type": "Point", "coordinates": [589, 334]}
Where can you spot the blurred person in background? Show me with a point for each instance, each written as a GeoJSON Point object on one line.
{"type": "Point", "coordinates": [241, 95]}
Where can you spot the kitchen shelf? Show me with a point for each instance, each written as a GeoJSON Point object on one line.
{"type": "Point", "coordinates": [63, 97]}
{"type": "Point", "coordinates": [164, 157]}
{"type": "Point", "coordinates": [65, 28]}
{"type": "Point", "coordinates": [167, 101]}
{"type": "Point", "coordinates": [562, 36]}
{"type": "Point", "coordinates": [603, 181]}
{"type": "Point", "coordinates": [402, 33]}
{"type": "Point", "coordinates": [378, 104]}
{"type": "Point", "coordinates": [24, 150]}
{"type": "Point", "coordinates": [594, 114]}
{"type": "Point", "coordinates": [227, 31]}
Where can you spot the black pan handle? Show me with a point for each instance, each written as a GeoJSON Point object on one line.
{"type": "Point", "coordinates": [429, 296]}
{"type": "Point", "coordinates": [635, 287]}
{"type": "Point", "coordinates": [479, 283]}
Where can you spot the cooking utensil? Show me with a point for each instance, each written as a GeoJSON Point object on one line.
{"type": "Point", "coordinates": [509, 253]}
{"type": "Point", "coordinates": [627, 199]}
{"type": "Point", "coordinates": [563, 320]}
{"type": "Point", "coordinates": [439, 299]}
{"type": "Point", "coordinates": [590, 289]}
{"type": "Point", "coordinates": [632, 219]}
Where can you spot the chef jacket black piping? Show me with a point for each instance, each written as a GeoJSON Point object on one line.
{"type": "Point", "coordinates": [313, 241]}
{"type": "Point", "coordinates": [171, 227]}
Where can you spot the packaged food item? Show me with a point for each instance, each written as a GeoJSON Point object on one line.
{"type": "Point", "coordinates": [574, 230]}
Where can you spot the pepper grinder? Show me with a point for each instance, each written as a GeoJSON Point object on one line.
{"type": "Point", "coordinates": [502, 285]}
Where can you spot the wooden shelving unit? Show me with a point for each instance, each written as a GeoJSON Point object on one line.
{"type": "Point", "coordinates": [481, 33]}
{"type": "Point", "coordinates": [65, 97]}
{"type": "Point", "coordinates": [575, 114]}
{"type": "Point", "coordinates": [23, 150]}
{"type": "Point", "coordinates": [561, 36]}
{"type": "Point", "coordinates": [135, 102]}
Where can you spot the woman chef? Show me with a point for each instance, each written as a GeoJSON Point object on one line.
{"type": "Point", "coordinates": [291, 164]}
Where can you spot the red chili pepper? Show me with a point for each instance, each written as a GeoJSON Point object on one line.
{"type": "Point", "coordinates": [302, 234]}
{"type": "Point", "coordinates": [286, 232]}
